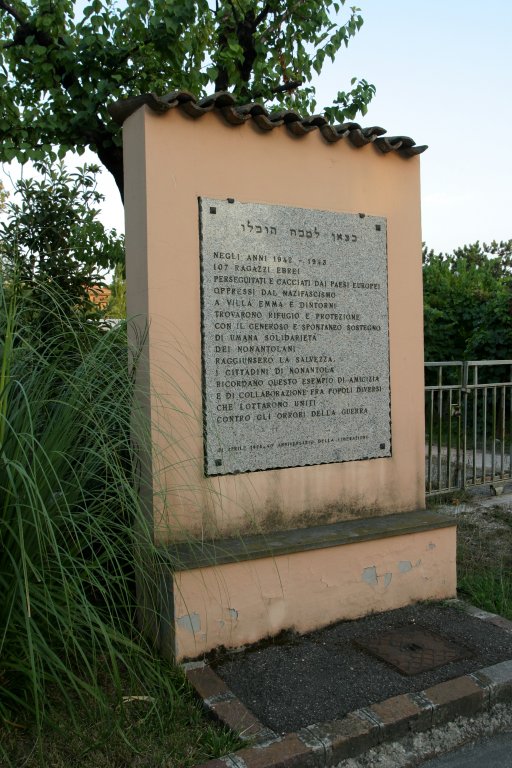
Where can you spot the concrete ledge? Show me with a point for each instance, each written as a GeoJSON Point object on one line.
{"type": "Point", "coordinates": [343, 738]}
{"type": "Point", "coordinates": [220, 702]}
{"type": "Point", "coordinates": [497, 680]}
{"type": "Point", "coordinates": [333, 573]}
{"type": "Point", "coordinates": [400, 715]}
{"type": "Point", "coordinates": [325, 744]}
{"type": "Point", "coordinates": [200, 554]}
{"type": "Point", "coordinates": [462, 696]}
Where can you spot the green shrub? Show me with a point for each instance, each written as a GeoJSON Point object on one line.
{"type": "Point", "coordinates": [72, 529]}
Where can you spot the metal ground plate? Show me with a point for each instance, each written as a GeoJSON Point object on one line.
{"type": "Point", "coordinates": [412, 650]}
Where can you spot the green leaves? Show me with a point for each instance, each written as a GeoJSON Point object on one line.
{"type": "Point", "coordinates": [468, 302]}
{"type": "Point", "coordinates": [50, 234]}
{"type": "Point", "coordinates": [63, 66]}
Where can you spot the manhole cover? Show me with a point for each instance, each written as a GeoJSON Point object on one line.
{"type": "Point", "coordinates": [413, 650]}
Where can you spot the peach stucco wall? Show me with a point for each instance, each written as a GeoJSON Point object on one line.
{"type": "Point", "coordinates": [171, 160]}
{"type": "Point", "coordinates": [240, 603]}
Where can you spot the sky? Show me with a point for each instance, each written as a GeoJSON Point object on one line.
{"type": "Point", "coordinates": [443, 74]}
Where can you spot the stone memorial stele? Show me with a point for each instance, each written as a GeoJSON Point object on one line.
{"type": "Point", "coordinates": [295, 336]}
{"type": "Point", "coordinates": [274, 275]}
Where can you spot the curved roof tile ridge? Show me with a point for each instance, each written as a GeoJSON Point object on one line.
{"type": "Point", "coordinates": [225, 104]}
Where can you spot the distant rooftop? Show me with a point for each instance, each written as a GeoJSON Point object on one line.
{"type": "Point", "coordinates": [224, 104]}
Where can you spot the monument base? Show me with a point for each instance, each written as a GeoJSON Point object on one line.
{"type": "Point", "coordinates": [236, 592]}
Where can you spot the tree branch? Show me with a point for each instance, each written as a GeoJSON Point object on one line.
{"type": "Point", "coordinates": [262, 15]}
{"type": "Point", "coordinates": [292, 85]}
{"type": "Point", "coordinates": [12, 12]}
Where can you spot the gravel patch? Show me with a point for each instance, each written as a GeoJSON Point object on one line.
{"type": "Point", "coordinates": [294, 681]}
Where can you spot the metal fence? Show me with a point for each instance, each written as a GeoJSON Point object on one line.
{"type": "Point", "coordinates": [468, 420]}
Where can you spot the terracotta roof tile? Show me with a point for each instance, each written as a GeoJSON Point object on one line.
{"type": "Point", "coordinates": [224, 103]}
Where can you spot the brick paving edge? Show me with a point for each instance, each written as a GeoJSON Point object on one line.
{"type": "Point", "coordinates": [325, 744]}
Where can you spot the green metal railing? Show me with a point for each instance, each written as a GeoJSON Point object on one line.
{"type": "Point", "coordinates": [468, 424]}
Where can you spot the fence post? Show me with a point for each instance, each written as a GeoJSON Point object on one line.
{"type": "Point", "coordinates": [464, 402]}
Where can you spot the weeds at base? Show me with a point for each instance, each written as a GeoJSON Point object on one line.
{"type": "Point", "coordinates": [484, 559]}
{"type": "Point", "coordinates": [145, 734]}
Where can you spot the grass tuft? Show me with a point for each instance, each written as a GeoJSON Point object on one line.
{"type": "Point", "coordinates": [491, 590]}
{"type": "Point", "coordinates": [75, 672]}
{"type": "Point", "coordinates": [485, 558]}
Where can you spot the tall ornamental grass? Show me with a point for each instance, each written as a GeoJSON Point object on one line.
{"type": "Point", "coordinates": [71, 527]}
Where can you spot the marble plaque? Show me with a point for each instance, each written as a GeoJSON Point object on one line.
{"type": "Point", "coordinates": [295, 341]}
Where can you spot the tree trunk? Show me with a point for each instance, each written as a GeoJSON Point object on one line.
{"type": "Point", "coordinates": [112, 159]}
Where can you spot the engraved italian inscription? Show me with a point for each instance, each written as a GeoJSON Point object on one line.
{"type": "Point", "coordinates": [294, 336]}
